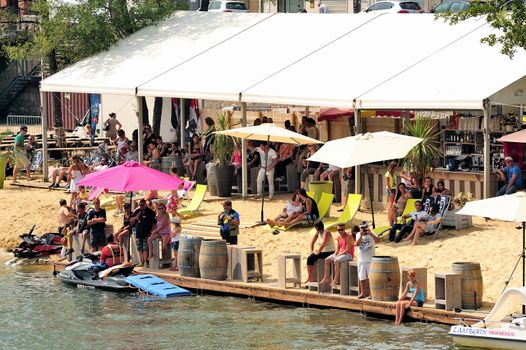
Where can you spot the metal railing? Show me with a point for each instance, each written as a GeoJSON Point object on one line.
{"type": "Point", "coordinates": [13, 123]}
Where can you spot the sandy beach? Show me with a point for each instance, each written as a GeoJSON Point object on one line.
{"type": "Point", "coordinates": [494, 244]}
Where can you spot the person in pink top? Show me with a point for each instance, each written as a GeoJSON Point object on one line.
{"type": "Point", "coordinates": [161, 229]}
{"type": "Point", "coordinates": [344, 252]}
{"type": "Point", "coordinates": [236, 158]}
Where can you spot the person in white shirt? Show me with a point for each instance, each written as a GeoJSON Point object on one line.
{"type": "Point", "coordinates": [428, 224]}
{"type": "Point", "coordinates": [406, 227]}
{"type": "Point", "coordinates": [269, 159]}
{"type": "Point", "coordinates": [365, 240]}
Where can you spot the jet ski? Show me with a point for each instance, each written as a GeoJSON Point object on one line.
{"type": "Point", "coordinates": [36, 249]}
{"type": "Point", "coordinates": [86, 272]}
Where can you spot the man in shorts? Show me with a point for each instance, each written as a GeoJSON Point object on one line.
{"type": "Point", "coordinates": [97, 224]}
{"type": "Point", "coordinates": [365, 240]}
{"type": "Point", "coordinates": [20, 154]}
{"type": "Point", "coordinates": [144, 219]}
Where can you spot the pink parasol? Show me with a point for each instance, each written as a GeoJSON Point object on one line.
{"type": "Point", "coordinates": [131, 176]}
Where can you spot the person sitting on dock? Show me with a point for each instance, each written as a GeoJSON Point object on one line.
{"type": "Point", "coordinates": [324, 248]}
{"type": "Point", "coordinates": [365, 240]}
{"type": "Point", "coordinates": [111, 254]}
{"type": "Point", "coordinates": [416, 297]}
{"type": "Point", "coordinates": [125, 230]}
{"type": "Point", "coordinates": [344, 252]}
{"type": "Point", "coordinates": [310, 211]}
{"type": "Point", "coordinates": [229, 222]}
{"type": "Point", "coordinates": [161, 229]}
{"type": "Point", "coordinates": [406, 227]}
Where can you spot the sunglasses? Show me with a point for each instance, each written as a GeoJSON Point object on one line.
{"type": "Point", "coordinates": [142, 204]}
{"type": "Point", "coordinates": [341, 229]}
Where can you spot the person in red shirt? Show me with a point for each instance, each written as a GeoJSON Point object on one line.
{"type": "Point", "coordinates": [111, 253]}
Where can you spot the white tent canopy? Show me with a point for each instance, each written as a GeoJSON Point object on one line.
{"type": "Point", "coordinates": [149, 53]}
{"type": "Point", "coordinates": [460, 76]}
{"type": "Point", "coordinates": [224, 71]}
{"type": "Point", "coordinates": [379, 61]}
{"type": "Point", "coordinates": [361, 60]}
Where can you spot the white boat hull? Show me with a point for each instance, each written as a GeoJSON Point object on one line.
{"type": "Point", "coordinates": [494, 338]}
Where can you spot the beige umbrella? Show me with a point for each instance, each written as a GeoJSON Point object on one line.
{"type": "Point", "coordinates": [270, 133]}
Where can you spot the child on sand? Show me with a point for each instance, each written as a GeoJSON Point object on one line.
{"type": "Point", "coordinates": [175, 236]}
{"type": "Point", "coordinates": [417, 297]}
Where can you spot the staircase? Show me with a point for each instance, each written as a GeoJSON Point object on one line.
{"type": "Point", "coordinates": [16, 77]}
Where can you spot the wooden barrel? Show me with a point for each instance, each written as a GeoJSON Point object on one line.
{"type": "Point", "coordinates": [471, 284]}
{"type": "Point", "coordinates": [167, 163]}
{"type": "Point", "coordinates": [384, 278]}
{"type": "Point", "coordinates": [188, 256]}
{"type": "Point", "coordinates": [213, 260]}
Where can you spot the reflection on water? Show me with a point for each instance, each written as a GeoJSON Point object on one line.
{"type": "Point", "coordinates": [38, 312]}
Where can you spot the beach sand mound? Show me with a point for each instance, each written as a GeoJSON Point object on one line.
{"type": "Point", "coordinates": [495, 245]}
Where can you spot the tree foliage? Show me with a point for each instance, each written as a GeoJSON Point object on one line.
{"type": "Point", "coordinates": [83, 28]}
{"type": "Point", "coordinates": [508, 16]}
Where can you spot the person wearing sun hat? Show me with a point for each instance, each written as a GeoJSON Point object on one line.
{"type": "Point", "coordinates": [229, 222]}
{"type": "Point", "coordinates": [512, 175]}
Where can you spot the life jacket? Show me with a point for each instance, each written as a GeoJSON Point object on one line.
{"type": "Point", "coordinates": [116, 257]}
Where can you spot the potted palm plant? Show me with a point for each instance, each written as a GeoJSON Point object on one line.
{"type": "Point", "coordinates": [223, 148]}
{"type": "Point", "coordinates": [422, 157]}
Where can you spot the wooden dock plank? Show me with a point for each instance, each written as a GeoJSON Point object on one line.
{"type": "Point", "coordinates": [303, 297]}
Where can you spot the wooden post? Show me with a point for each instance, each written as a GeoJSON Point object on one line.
{"type": "Point", "coordinates": [407, 117]}
{"type": "Point", "coordinates": [43, 113]}
{"type": "Point", "coordinates": [140, 140]}
{"type": "Point", "coordinates": [487, 154]}
{"type": "Point", "coordinates": [244, 167]}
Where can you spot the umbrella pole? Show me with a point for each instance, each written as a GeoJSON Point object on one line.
{"type": "Point", "coordinates": [129, 230]}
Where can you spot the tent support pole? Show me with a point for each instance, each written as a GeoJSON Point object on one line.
{"type": "Point", "coordinates": [358, 130]}
{"type": "Point", "coordinates": [182, 122]}
{"type": "Point", "coordinates": [487, 158]}
{"type": "Point", "coordinates": [140, 139]}
{"type": "Point", "coordinates": [43, 114]}
{"type": "Point", "coordinates": [244, 171]}
{"type": "Point", "coordinates": [523, 260]}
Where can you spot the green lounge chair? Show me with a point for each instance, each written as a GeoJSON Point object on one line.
{"type": "Point", "coordinates": [409, 207]}
{"type": "Point", "coordinates": [323, 208]}
{"type": "Point", "coordinates": [348, 213]}
{"type": "Point", "coordinates": [195, 203]}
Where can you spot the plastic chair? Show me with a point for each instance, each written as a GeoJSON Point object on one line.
{"type": "Point", "coordinates": [323, 208]}
{"type": "Point", "coordinates": [348, 213]}
{"type": "Point", "coordinates": [195, 203]}
{"type": "Point", "coordinates": [409, 207]}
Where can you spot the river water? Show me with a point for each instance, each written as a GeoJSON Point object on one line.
{"type": "Point", "coordinates": [38, 312]}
